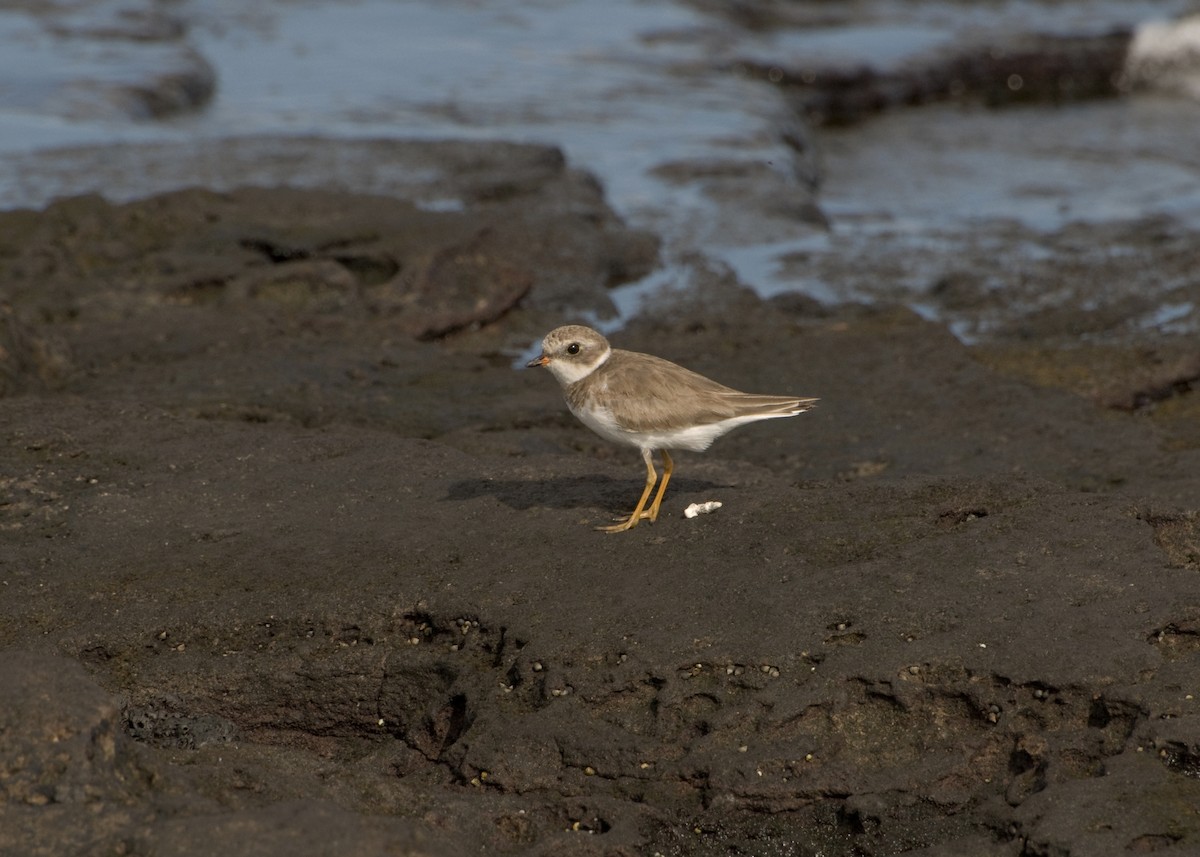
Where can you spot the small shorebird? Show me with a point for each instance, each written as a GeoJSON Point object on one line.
{"type": "Point", "coordinates": [647, 402]}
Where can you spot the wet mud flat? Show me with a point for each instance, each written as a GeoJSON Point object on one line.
{"type": "Point", "coordinates": [293, 557]}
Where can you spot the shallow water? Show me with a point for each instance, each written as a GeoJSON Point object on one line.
{"type": "Point", "coordinates": [631, 90]}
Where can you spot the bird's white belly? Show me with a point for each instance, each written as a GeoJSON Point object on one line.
{"type": "Point", "coordinates": [601, 421]}
{"type": "Point", "coordinates": [696, 438]}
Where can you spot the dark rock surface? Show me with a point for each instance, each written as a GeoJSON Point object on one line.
{"type": "Point", "coordinates": [1029, 69]}
{"type": "Point", "coordinates": [293, 557]}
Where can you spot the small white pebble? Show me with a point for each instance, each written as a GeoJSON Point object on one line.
{"type": "Point", "coordinates": [702, 508]}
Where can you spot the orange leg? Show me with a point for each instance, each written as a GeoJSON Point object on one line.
{"type": "Point", "coordinates": [651, 478]}
{"type": "Point", "coordinates": [668, 468]}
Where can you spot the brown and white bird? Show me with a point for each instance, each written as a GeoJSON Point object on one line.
{"type": "Point", "coordinates": [650, 403]}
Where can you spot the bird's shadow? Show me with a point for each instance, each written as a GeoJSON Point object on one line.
{"type": "Point", "coordinates": [571, 492]}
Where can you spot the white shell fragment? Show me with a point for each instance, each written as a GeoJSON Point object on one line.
{"type": "Point", "coordinates": [701, 508]}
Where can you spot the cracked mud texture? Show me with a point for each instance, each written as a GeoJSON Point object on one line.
{"type": "Point", "coordinates": [292, 557]}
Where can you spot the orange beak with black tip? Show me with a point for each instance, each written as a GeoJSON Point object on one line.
{"type": "Point", "coordinates": [540, 360]}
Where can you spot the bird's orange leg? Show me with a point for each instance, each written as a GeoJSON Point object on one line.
{"type": "Point", "coordinates": [668, 467]}
{"type": "Point", "coordinates": [651, 478]}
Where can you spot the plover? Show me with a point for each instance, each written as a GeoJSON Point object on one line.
{"type": "Point", "coordinates": [649, 403]}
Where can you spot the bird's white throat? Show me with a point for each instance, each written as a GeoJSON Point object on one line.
{"type": "Point", "coordinates": [568, 372]}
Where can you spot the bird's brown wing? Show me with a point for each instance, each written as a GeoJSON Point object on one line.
{"type": "Point", "coordinates": [656, 394]}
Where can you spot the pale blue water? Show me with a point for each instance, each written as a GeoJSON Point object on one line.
{"type": "Point", "coordinates": [624, 87]}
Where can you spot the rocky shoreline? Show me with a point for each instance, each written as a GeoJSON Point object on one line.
{"type": "Point", "coordinates": [293, 556]}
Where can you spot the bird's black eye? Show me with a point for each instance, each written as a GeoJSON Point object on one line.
{"type": "Point", "coordinates": [573, 348]}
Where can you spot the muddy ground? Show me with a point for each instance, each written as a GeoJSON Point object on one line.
{"type": "Point", "coordinates": [295, 561]}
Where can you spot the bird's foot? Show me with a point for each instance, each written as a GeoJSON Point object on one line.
{"type": "Point", "coordinates": [630, 522]}
{"type": "Point", "coordinates": [625, 523]}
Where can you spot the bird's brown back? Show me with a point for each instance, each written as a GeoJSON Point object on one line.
{"type": "Point", "coordinates": [647, 394]}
